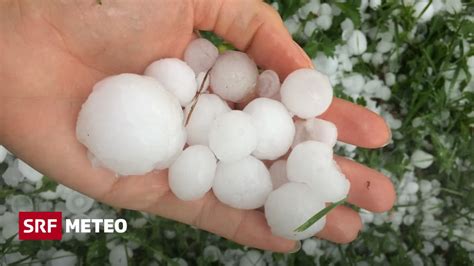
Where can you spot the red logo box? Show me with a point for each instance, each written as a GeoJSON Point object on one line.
{"type": "Point", "coordinates": [40, 226]}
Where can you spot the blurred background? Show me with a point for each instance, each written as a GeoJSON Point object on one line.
{"type": "Point", "coordinates": [415, 70]}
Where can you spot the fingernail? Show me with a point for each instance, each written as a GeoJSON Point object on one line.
{"type": "Point", "coordinates": [304, 55]}
{"type": "Point", "coordinates": [296, 248]}
{"type": "Point", "coordinates": [389, 138]}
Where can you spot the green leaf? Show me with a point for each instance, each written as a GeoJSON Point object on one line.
{"type": "Point", "coordinates": [319, 215]}
{"type": "Point", "coordinates": [351, 10]}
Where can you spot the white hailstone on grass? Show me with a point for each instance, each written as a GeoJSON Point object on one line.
{"type": "Point", "coordinates": [274, 125]}
{"type": "Point", "coordinates": [268, 84]}
{"type": "Point", "coordinates": [8, 218]}
{"type": "Point", "coordinates": [232, 136]}
{"type": "Point", "coordinates": [290, 206]}
{"type": "Point", "coordinates": [347, 25]}
{"type": "Point", "coordinates": [353, 84]}
{"type": "Point", "coordinates": [377, 59]}
{"type": "Point", "coordinates": [325, 64]}
{"type": "Point", "coordinates": [383, 93]}
{"type": "Point", "coordinates": [63, 192]}
{"type": "Point", "coordinates": [63, 258]}
{"type": "Point", "coordinates": [310, 27]}
{"type": "Point", "coordinates": [384, 46]}
{"type": "Point", "coordinates": [306, 93]}
{"type": "Point", "coordinates": [357, 43]}
{"type": "Point", "coordinates": [29, 172]}
{"type": "Point", "coordinates": [423, 10]}
{"type": "Point", "coordinates": [139, 114]}
{"type": "Point", "coordinates": [325, 10]}
{"type": "Point", "coordinates": [324, 22]}
{"type": "Point", "coordinates": [201, 55]}
{"type": "Point", "coordinates": [176, 77]}
{"type": "Point", "coordinates": [21, 203]}
{"type": "Point", "coordinates": [310, 246]}
{"type": "Point", "coordinates": [78, 203]}
{"type": "Point", "coordinates": [292, 25]}
{"type": "Point", "coordinates": [3, 153]}
{"type": "Point", "coordinates": [179, 262]}
{"type": "Point", "coordinates": [453, 6]}
{"type": "Point", "coordinates": [390, 79]}
{"type": "Point", "coordinates": [119, 255]}
{"type": "Point", "coordinates": [192, 174]}
{"type": "Point", "coordinates": [10, 230]}
{"type": "Point", "coordinates": [243, 184]}
{"type": "Point", "coordinates": [374, 4]}
{"type": "Point", "coordinates": [212, 253]}
{"type": "Point", "coordinates": [421, 159]}
{"type": "Point", "coordinates": [321, 130]}
{"type": "Point", "coordinates": [310, 7]}
{"type": "Point", "coordinates": [12, 176]}
{"type": "Point", "coordinates": [200, 79]}
{"type": "Point", "coordinates": [234, 76]}
{"type": "Point", "coordinates": [278, 173]}
{"type": "Point", "coordinates": [252, 258]}
{"type": "Point", "coordinates": [207, 108]}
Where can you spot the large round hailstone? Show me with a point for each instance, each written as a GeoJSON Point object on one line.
{"type": "Point", "coordinates": [421, 159]}
{"type": "Point", "coordinates": [321, 130]}
{"type": "Point", "coordinates": [234, 76]}
{"type": "Point", "coordinates": [201, 55]}
{"type": "Point", "coordinates": [278, 173]}
{"type": "Point", "coordinates": [129, 124]}
{"type": "Point", "coordinates": [306, 93]}
{"type": "Point", "coordinates": [306, 160]}
{"type": "Point", "coordinates": [291, 205]}
{"type": "Point", "coordinates": [243, 184]}
{"type": "Point", "coordinates": [232, 136]}
{"type": "Point", "coordinates": [29, 172]}
{"type": "Point", "coordinates": [268, 84]}
{"type": "Point", "coordinates": [175, 148]}
{"type": "Point", "coordinates": [275, 128]}
{"type": "Point", "coordinates": [207, 108]}
{"type": "Point", "coordinates": [191, 176]}
{"type": "Point", "coordinates": [176, 76]}
{"type": "Point", "coordinates": [330, 183]}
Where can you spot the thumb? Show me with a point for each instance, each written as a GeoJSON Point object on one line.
{"type": "Point", "coordinates": [254, 27]}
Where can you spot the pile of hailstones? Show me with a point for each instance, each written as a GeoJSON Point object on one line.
{"type": "Point", "coordinates": [133, 124]}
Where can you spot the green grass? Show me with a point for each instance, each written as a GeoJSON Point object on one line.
{"type": "Point", "coordinates": [438, 47]}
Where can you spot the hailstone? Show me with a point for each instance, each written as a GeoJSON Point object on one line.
{"type": "Point", "coordinates": [201, 55]}
{"type": "Point", "coordinates": [321, 130]}
{"type": "Point", "coordinates": [311, 163]}
{"type": "Point", "coordinates": [176, 76]}
{"type": "Point", "coordinates": [233, 136]}
{"type": "Point", "coordinates": [78, 203]}
{"type": "Point", "coordinates": [306, 159]}
{"type": "Point", "coordinates": [278, 173]}
{"type": "Point", "coordinates": [63, 258]}
{"type": "Point", "coordinates": [357, 43]}
{"type": "Point", "coordinates": [29, 172]}
{"type": "Point", "coordinates": [207, 108]}
{"type": "Point", "coordinates": [275, 128]}
{"type": "Point", "coordinates": [21, 203]}
{"type": "Point", "coordinates": [234, 76]}
{"type": "Point", "coordinates": [191, 176]}
{"type": "Point", "coordinates": [306, 93]}
{"type": "Point", "coordinates": [268, 84]}
{"type": "Point", "coordinates": [290, 206]}
{"type": "Point", "coordinates": [243, 184]}
{"type": "Point", "coordinates": [129, 123]}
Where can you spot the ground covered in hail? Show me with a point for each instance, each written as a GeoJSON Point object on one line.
{"type": "Point", "coordinates": [410, 61]}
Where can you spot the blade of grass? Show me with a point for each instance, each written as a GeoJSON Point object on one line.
{"type": "Point", "coordinates": [319, 215]}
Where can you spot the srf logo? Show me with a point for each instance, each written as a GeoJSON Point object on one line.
{"type": "Point", "coordinates": [40, 225]}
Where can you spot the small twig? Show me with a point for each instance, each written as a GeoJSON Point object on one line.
{"type": "Point", "coordinates": [319, 215]}
{"type": "Point", "coordinates": [196, 97]}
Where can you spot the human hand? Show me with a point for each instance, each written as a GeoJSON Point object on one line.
{"type": "Point", "coordinates": [54, 52]}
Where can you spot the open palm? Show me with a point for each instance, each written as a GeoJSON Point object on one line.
{"type": "Point", "coordinates": [53, 52]}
